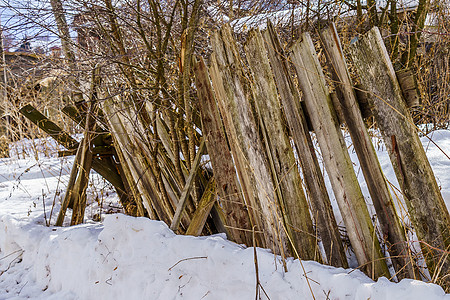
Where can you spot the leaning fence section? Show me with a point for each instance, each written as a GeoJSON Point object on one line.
{"type": "Point", "coordinates": [263, 185]}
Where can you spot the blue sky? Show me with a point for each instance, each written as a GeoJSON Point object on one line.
{"type": "Point", "coordinates": [28, 19]}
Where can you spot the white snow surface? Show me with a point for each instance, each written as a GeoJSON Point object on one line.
{"type": "Point", "coordinates": [136, 258]}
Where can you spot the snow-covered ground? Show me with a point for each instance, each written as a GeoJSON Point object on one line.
{"type": "Point", "coordinates": [137, 258]}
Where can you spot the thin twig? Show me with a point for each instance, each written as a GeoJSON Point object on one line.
{"type": "Point", "coordinates": [184, 259]}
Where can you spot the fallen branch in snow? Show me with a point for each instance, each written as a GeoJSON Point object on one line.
{"type": "Point", "coordinates": [184, 259]}
{"type": "Point", "coordinates": [11, 262]}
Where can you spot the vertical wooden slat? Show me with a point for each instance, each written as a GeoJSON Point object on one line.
{"type": "Point", "coordinates": [205, 205]}
{"type": "Point", "coordinates": [337, 160]}
{"type": "Point", "coordinates": [427, 209]}
{"type": "Point", "coordinates": [391, 228]}
{"type": "Point", "coordinates": [227, 185]}
{"type": "Point", "coordinates": [132, 156]}
{"type": "Point", "coordinates": [247, 149]}
{"type": "Point", "coordinates": [127, 175]}
{"type": "Point", "coordinates": [85, 160]}
{"type": "Point", "coordinates": [181, 205]}
{"type": "Point", "coordinates": [281, 156]}
{"type": "Point", "coordinates": [114, 171]}
{"type": "Point", "coordinates": [322, 211]}
{"type": "Point", "coordinates": [79, 189]}
{"type": "Point", "coordinates": [69, 190]}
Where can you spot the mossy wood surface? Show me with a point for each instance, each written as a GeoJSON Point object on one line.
{"type": "Point", "coordinates": [427, 209]}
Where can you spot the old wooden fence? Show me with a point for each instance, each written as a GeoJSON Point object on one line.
{"type": "Point", "coordinates": [256, 115]}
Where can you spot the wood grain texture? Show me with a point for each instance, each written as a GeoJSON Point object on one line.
{"type": "Point", "coordinates": [391, 228]}
{"type": "Point", "coordinates": [246, 146]}
{"type": "Point", "coordinates": [285, 172]}
{"type": "Point", "coordinates": [322, 211]}
{"type": "Point", "coordinates": [227, 187]}
{"type": "Point", "coordinates": [337, 160]}
{"type": "Point", "coordinates": [427, 209]}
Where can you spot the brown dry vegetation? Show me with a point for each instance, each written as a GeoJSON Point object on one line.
{"type": "Point", "coordinates": [144, 50]}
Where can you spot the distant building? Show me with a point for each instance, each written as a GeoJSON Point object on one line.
{"type": "Point", "coordinates": [55, 51]}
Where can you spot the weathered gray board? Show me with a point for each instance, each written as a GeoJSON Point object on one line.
{"type": "Point", "coordinates": [315, 185]}
{"type": "Point", "coordinates": [245, 142]}
{"type": "Point", "coordinates": [426, 207]}
{"type": "Point", "coordinates": [133, 156]}
{"type": "Point", "coordinates": [104, 166]}
{"type": "Point", "coordinates": [226, 181]}
{"type": "Point", "coordinates": [336, 158]}
{"type": "Point", "coordinates": [288, 183]}
{"type": "Point", "coordinates": [391, 228]}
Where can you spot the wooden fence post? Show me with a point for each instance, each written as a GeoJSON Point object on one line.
{"type": "Point", "coordinates": [337, 160]}
{"type": "Point", "coordinates": [288, 183]}
{"type": "Point", "coordinates": [427, 209]}
{"type": "Point", "coordinates": [245, 142]}
{"type": "Point", "coordinates": [226, 181]}
{"type": "Point", "coordinates": [391, 228]}
{"type": "Point", "coordinates": [322, 211]}
{"type": "Point", "coordinates": [68, 196]}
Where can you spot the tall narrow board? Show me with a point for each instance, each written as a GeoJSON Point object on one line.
{"type": "Point", "coordinates": [230, 196]}
{"type": "Point", "coordinates": [280, 153]}
{"type": "Point", "coordinates": [337, 160]}
{"type": "Point", "coordinates": [362, 143]}
{"type": "Point", "coordinates": [245, 142]}
{"type": "Point", "coordinates": [426, 207]}
{"type": "Point", "coordinates": [322, 212]}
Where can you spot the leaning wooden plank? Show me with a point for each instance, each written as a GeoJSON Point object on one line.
{"type": "Point", "coordinates": [69, 190]}
{"type": "Point", "coordinates": [337, 160]}
{"type": "Point", "coordinates": [102, 165]}
{"type": "Point", "coordinates": [427, 209]}
{"type": "Point", "coordinates": [227, 184]}
{"type": "Point", "coordinates": [48, 127]}
{"type": "Point", "coordinates": [101, 138]}
{"type": "Point", "coordinates": [187, 188]}
{"type": "Point", "coordinates": [125, 125]}
{"type": "Point", "coordinates": [129, 156]}
{"type": "Point", "coordinates": [96, 151]}
{"type": "Point", "coordinates": [166, 160]}
{"type": "Point", "coordinates": [248, 152]}
{"type": "Point", "coordinates": [391, 228]}
{"type": "Point", "coordinates": [322, 211]}
{"type": "Point", "coordinates": [84, 167]}
{"type": "Point", "coordinates": [409, 87]}
{"type": "Point", "coordinates": [174, 183]}
{"type": "Point", "coordinates": [81, 183]}
{"type": "Point", "coordinates": [281, 155]}
{"type": "Point", "coordinates": [203, 209]}
{"type": "Point", "coordinates": [72, 112]}
{"type": "Point", "coordinates": [131, 187]}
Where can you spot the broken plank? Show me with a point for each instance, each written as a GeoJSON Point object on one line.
{"type": "Point", "coordinates": [187, 188]}
{"type": "Point", "coordinates": [48, 127]}
{"type": "Point", "coordinates": [204, 207]}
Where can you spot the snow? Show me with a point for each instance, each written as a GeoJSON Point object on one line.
{"type": "Point", "coordinates": [136, 258]}
{"type": "Point", "coordinates": [296, 15]}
